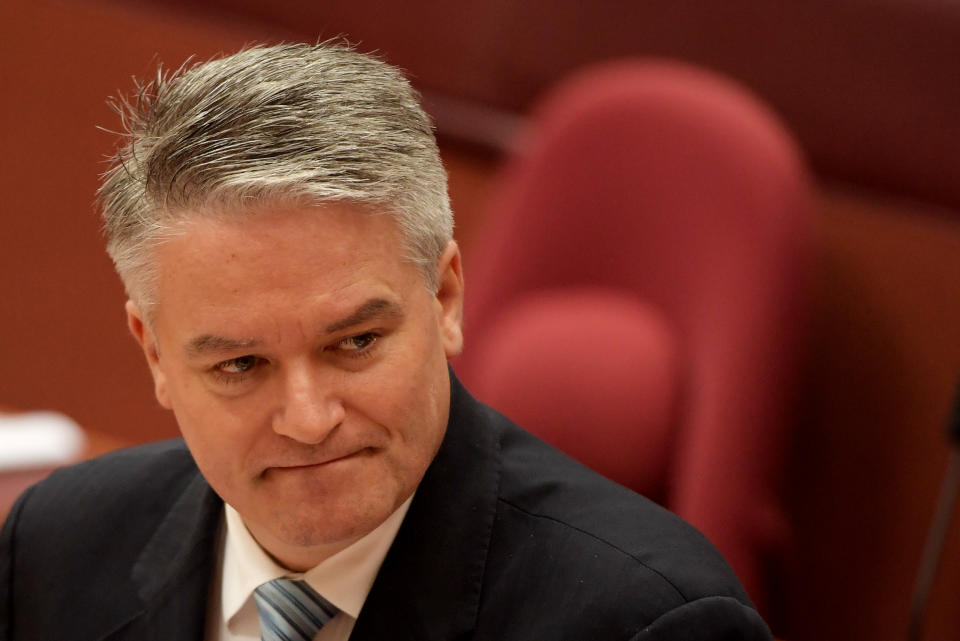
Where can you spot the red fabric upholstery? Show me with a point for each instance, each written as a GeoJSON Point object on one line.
{"type": "Point", "coordinates": [682, 205]}
{"type": "Point", "coordinates": [624, 347]}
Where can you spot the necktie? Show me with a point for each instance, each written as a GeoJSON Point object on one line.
{"type": "Point", "coordinates": [290, 610]}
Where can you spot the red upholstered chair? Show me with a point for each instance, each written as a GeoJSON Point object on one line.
{"type": "Point", "coordinates": [638, 297]}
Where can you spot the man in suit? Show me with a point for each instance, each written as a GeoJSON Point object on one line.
{"type": "Point", "coordinates": [280, 221]}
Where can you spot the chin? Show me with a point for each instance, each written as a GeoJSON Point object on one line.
{"type": "Point", "coordinates": [324, 525]}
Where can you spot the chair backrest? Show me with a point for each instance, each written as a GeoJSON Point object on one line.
{"type": "Point", "coordinates": [639, 295]}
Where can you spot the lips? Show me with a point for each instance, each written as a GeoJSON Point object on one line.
{"type": "Point", "coordinates": [318, 464]}
{"type": "Point", "coordinates": [327, 460]}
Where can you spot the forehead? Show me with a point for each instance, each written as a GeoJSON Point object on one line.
{"type": "Point", "coordinates": [277, 256]}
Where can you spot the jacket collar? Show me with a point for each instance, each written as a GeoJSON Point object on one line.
{"type": "Point", "coordinates": [428, 588]}
{"type": "Point", "coordinates": [182, 544]}
{"type": "Point", "coordinates": [171, 578]}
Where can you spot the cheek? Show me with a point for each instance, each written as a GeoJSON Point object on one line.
{"type": "Point", "coordinates": [425, 405]}
{"type": "Point", "coordinates": [408, 398]}
{"type": "Point", "coordinates": [410, 403]}
{"type": "Point", "coordinates": [218, 433]}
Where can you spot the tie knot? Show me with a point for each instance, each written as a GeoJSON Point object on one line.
{"type": "Point", "coordinates": [290, 610]}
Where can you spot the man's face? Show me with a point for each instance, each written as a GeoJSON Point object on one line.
{"type": "Point", "coordinates": [305, 362]}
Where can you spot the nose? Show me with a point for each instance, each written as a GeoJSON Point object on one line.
{"type": "Point", "coordinates": [311, 407]}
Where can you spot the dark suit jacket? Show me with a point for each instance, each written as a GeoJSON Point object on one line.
{"type": "Point", "coordinates": [506, 539]}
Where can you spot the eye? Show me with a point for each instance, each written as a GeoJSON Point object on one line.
{"type": "Point", "coordinates": [236, 367]}
{"type": "Point", "coordinates": [357, 345]}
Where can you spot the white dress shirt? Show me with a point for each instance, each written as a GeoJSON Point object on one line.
{"type": "Point", "coordinates": [344, 579]}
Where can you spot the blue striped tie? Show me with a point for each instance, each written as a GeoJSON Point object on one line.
{"type": "Point", "coordinates": [290, 610]}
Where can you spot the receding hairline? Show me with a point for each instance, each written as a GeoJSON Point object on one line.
{"type": "Point", "coordinates": [179, 222]}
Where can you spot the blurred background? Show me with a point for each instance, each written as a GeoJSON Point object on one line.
{"type": "Point", "coordinates": [869, 92]}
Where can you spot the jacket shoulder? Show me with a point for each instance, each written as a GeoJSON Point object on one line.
{"type": "Point", "coordinates": [100, 503]}
{"type": "Point", "coordinates": [577, 541]}
{"type": "Point", "coordinates": [136, 526]}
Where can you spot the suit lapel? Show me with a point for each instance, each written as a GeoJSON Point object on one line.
{"type": "Point", "coordinates": [173, 573]}
{"type": "Point", "coordinates": [428, 588]}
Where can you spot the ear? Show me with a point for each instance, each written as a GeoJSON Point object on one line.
{"type": "Point", "coordinates": [450, 299]}
{"type": "Point", "coordinates": [148, 342]}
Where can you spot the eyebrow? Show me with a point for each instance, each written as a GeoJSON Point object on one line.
{"type": "Point", "coordinates": [373, 308]}
{"type": "Point", "coordinates": [207, 343]}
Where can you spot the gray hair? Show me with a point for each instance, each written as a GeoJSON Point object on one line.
{"type": "Point", "coordinates": [290, 123]}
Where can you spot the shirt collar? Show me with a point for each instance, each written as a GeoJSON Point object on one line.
{"type": "Point", "coordinates": [344, 579]}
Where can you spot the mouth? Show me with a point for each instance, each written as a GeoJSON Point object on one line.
{"type": "Point", "coordinates": [320, 463]}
